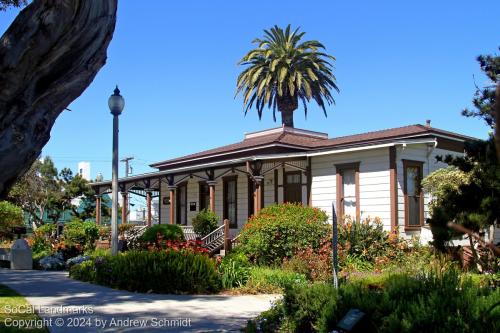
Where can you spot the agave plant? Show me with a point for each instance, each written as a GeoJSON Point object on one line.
{"type": "Point", "coordinates": [282, 70]}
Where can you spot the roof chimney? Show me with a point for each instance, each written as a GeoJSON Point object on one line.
{"type": "Point", "coordinates": [428, 123]}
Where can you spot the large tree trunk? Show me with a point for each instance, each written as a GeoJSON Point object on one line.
{"type": "Point", "coordinates": [497, 120]}
{"type": "Point", "coordinates": [48, 56]}
{"type": "Point", "coordinates": [287, 105]}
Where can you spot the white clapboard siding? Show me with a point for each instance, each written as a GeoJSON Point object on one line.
{"type": "Point", "coordinates": [373, 182]}
{"type": "Point", "coordinates": [427, 155]}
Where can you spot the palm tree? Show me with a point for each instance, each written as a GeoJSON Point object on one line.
{"type": "Point", "coordinates": [283, 70]}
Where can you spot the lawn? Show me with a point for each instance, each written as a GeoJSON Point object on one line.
{"type": "Point", "coordinates": [10, 301]}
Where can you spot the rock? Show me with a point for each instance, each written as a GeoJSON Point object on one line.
{"type": "Point", "coordinates": [21, 256]}
{"type": "Point", "coordinates": [76, 260]}
{"type": "Point", "coordinates": [52, 262]}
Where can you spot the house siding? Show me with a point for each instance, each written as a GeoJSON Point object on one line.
{"type": "Point", "coordinates": [374, 195]}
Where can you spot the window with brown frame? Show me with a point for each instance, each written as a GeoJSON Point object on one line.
{"type": "Point", "coordinates": [348, 190]}
{"type": "Point", "coordinates": [292, 185]}
{"type": "Point", "coordinates": [413, 194]}
{"type": "Point", "coordinates": [230, 200]}
{"type": "Point", "coordinates": [204, 195]}
{"type": "Point", "coordinates": [181, 201]}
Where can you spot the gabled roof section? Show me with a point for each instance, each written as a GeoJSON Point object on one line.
{"type": "Point", "coordinates": [296, 140]}
{"type": "Point", "coordinates": [284, 137]}
{"type": "Point", "coordinates": [409, 131]}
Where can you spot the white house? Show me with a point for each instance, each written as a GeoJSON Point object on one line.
{"type": "Point", "coordinates": [375, 174]}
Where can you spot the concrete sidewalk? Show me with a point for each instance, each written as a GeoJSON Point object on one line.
{"type": "Point", "coordinates": [97, 309]}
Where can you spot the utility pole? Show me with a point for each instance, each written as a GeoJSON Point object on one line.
{"type": "Point", "coordinates": [128, 170]}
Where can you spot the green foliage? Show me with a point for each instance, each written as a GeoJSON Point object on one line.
{"type": "Point", "coordinates": [205, 222]}
{"type": "Point", "coordinates": [282, 70]}
{"type": "Point", "coordinates": [392, 303]}
{"type": "Point", "coordinates": [484, 98]}
{"type": "Point", "coordinates": [4, 4]}
{"type": "Point", "coordinates": [80, 233]}
{"type": "Point", "coordinates": [233, 273]}
{"type": "Point", "coordinates": [165, 231]}
{"type": "Point", "coordinates": [158, 271]}
{"type": "Point", "coordinates": [279, 231]}
{"type": "Point", "coordinates": [10, 216]}
{"type": "Point", "coordinates": [124, 228]}
{"type": "Point", "coordinates": [43, 192]}
{"type": "Point", "coordinates": [271, 280]}
{"type": "Point", "coordinates": [363, 239]}
{"type": "Point", "coordinates": [42, 239]}
{"type": "Point", "coordinates": [305, 306]}
{"type": "Point", "coordinates": [443, 181]}
{"type": "Point", "coordinates": [474, 204]}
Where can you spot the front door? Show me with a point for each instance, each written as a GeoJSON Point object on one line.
{"type": "Point", "coordinates": [293, 186]}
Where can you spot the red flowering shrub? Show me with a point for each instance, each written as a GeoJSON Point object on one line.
{"type": "Point", "coordinates": [279, 231]}
{"type": "Point", "coordinates": [162, 243]}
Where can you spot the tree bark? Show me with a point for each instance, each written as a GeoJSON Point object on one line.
{"type": "Point", "coordinates": [287, 105]}
{"type": "Point", "coordinates": [48, 56]}
{"type": "Point", "coordinates": [497, 121]}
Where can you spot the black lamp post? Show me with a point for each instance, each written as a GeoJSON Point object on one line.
{"type": "Point", "coordinates": [116, 104]}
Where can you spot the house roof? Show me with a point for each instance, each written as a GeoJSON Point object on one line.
{"type": "Point", "coordinates": [302, 140]}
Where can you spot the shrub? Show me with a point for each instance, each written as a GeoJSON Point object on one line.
{"type": "Point", "coordinates": [304, 307]}
{"type": "Point", "coordinates": [271, 280]}
{"type": "Point", "coordinates": [438, 299]}
{"type": "Point", "coordinates": [42, 240]}
{"type": "Point", "coordinates": [205, 222]}
{"type": "Point", "coordinates": [123, 228]}
{"type": "Point", "coordinates": [10, 216]}
{"type": "Point", "coordinates": [363, 239]}
{"type": "Point", "coordinates": [161, 232]}
{"type": "Point", "coordinates": [234, 270]}
{"type": "Point", "coordinates": [80, 234]}
{"type": "Point", "coordinates": [84, 271]}
{"type": "Point", "coordinates": [316, 264]}
{"type": "Point", "coordinates": [159, 272]}
{"type": "Point", "coordinates": [279, 231]}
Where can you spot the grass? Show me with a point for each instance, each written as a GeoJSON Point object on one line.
{"type": "Point", "coordinates": [10, 301]}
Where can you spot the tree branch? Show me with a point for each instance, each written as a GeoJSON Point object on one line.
{"type": "Point", "coordinates": [48, 56]}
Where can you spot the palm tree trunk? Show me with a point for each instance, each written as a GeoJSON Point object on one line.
{"type": "Point", "coordinates": [287, 105]}
{"type": "Point", "coordinates": [287, 118]}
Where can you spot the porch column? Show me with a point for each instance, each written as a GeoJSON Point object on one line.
{"type": "Point", "coordinates": [257, 195]}
{"type": "Point", "coordinates": [211, 187]}
{"type": "Point", "coordinates": [172, 204]}
{"type": "Point", "coordinates": [148, 209]}
{"type": "Point", "coordinates": [98, 209]}
{"type": "Point", "coordinates": [124, 207]}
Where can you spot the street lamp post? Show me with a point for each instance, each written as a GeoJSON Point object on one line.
{"type": "Point", "coordinates": [116, 104]}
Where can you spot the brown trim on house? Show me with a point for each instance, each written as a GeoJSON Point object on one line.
{"type": "Point", "coordinates": [276, 186]}
{"type": "Point", "coordinates": [420, 165]}
{"type": "Point", "coordinates": [177, 203]}
{"type": "Point", "coordinates": [232, 224]}
{"type": "Point", "coordinates": [250, 196]}
{"type": "Point", "coordinates": [202, 195]}
{"type": "Point", "coordinates": [262, 194]}
{"type": "Point", "coordinates": [340, 188]}
{"type": "Point", "coordinates": [309, 182]}
{"type": "Point", "coordinates": [452, 145]}
{"type": "Point", "coordinates": [393, 187]}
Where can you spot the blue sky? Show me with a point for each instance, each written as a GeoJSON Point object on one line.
{"type": "Point", "coordinates": [398, 63]}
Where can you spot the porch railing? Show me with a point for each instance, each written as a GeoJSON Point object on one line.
{"type": "Point", "coordinates": [189, 233]}
{"type": "Point", "coordinates": [214, 235]}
